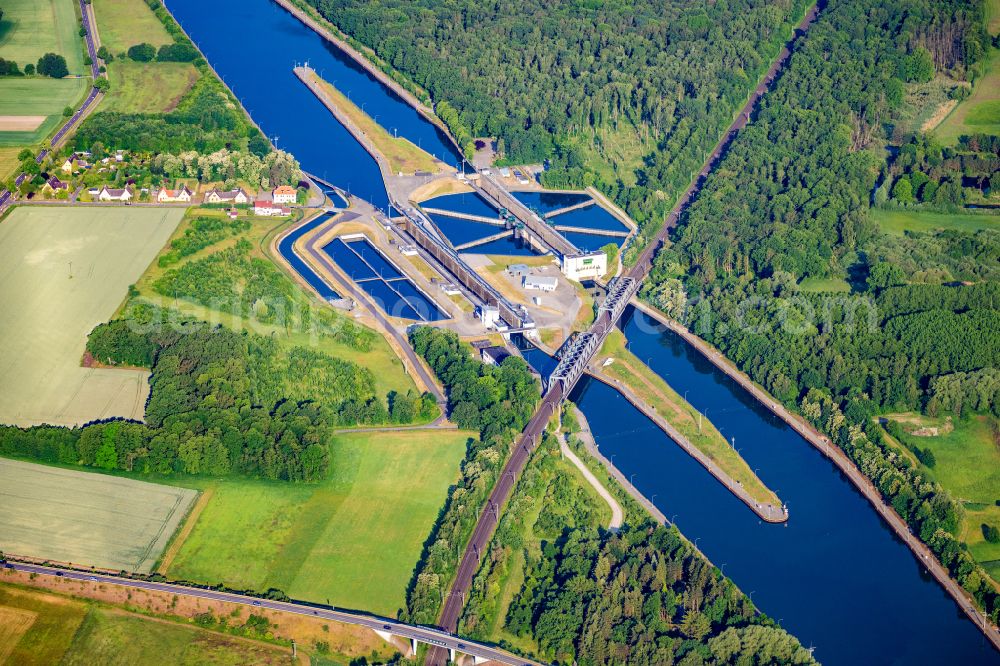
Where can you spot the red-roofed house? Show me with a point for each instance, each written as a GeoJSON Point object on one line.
{"type": "Point", "coordinates": [284, 194]}
{"type": "Point", "coordinates": [182, 195]}
{"type": "Point", "coordinates": [269, 209]}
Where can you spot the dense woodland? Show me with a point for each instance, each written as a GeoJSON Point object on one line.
{"type": "Point", "coordinates": [549, 78]}
{"type": "Point", "coordinates": [642, 596]}
{"type": "Point", "coordinates": [220, 403]}
{"type": "Point", "coordinates": [932, 176]}
{"type": "Point", "coordinates": [791, 200]}
{"type": "Point", "coordinates": [496, 401]}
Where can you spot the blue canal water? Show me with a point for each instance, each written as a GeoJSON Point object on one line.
{"type": "Point", "coordinates": [285, 248]}
{"type": "Point", "coordinates": [835, 576]}
{"type": "Point", "coordinates": [590, 242]}
{"type": "Point", "coordinates": [373, 273]}
{"type": "Point", "coordinates": [591, 217]}
{"type": "Point", "coordinates": [253, 45]}
{"type": "Point", "coordinates": [464, 202]}
{"type": "Point", "coordinates": [461, 231]}
{"type": "Point", "coordinates": [546, 202]}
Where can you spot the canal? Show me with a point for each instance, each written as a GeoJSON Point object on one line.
{"type": "Point", "coordinates": [253, 45]}
{"type": "Point", "coordinates": [835, 575]}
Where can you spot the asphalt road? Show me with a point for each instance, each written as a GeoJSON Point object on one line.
{"type": "Point", "coordinates": [423, 634]}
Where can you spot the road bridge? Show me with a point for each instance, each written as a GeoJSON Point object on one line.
{"type": "Point", "coordinates": [384, 627]}
{"type": "Point", "coordinates": [498, 196]}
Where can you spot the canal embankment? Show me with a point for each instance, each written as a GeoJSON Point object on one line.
{"type": "Point", "coordinates": [837, 456]}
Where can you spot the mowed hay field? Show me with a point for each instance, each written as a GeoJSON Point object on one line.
{"type": "Point", "coordinates": [898, 222]}
{"type": "Point", "coordinates": [54, 629]}
{"type": "Point", "coordinates": [140, 87]}
{"type": "Point", "coordinates": [353, 540]}
{"type": "Point", "coordinates": [125, 23]}
{"type": "Point", "coordinates": [65, 270]}
{"type": "Point", "coordinates": [31, 28]}
{"type": "Point", "coordinates": [980, 112]}
{"type": "Point", "coordinates": [20, 96]}
{"type": "Point", "coordinates": [87, 518]}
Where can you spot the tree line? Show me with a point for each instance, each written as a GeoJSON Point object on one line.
{"type": "Point", "coordinates": [495, 401]}
{"type": "Point", "coordinates": [220, 403]}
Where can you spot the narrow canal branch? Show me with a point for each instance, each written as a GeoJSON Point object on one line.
{"type": "Point", "coordinates": [618, 367]}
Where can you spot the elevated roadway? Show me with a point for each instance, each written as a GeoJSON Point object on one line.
{"type": "Point", "coordinates": [497, 195]}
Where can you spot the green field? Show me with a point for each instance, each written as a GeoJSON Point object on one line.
{"type": "Point", "coordinates": [31, 28]}
{"type": "Point", "coordinates": [141, 87]}
{"type": "Point", "coordinates": [67, 269]}
{"type": "Point", "coordinates": [354, 539]}
{"type": "Point", "coordinates": [980, 112]}
{"type": "Point", "coordinates": [824, 285]}
{"type": "Point", "coordinates": [390, 374]}
{"type": "Point", "coordinates": [967, 454]}
{"type": "Point", "coordinates": [897, 222]}
{"type": "Point", "coordinates": [125, 23]}
{"type": "Point", "coordinates": [44, 628]}
{"type": "Point", "coordinates": [38, 96]}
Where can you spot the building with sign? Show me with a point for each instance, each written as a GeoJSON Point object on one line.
{"type": "Point", "coordinates": [585, 266]}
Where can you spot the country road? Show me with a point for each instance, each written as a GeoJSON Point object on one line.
{"type": "Point", "coordinates": [427, 635]}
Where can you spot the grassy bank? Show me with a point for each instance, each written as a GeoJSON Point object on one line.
{"type": "Point", "coordinates": [898, 222]}
{"type": "Point", "coordinates": [402, 155]}
{"type": "Point", "coordinates": [43, 628]}
{"type": "Point", "coordinates": [656, 393]}
{"type": "Point", "coordinates": [967, 464]}
{"type": "Point", "coordinates": [979, 113]}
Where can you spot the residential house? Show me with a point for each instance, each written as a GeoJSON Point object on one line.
{"type": "Point", "coordinates": [270, 209]}
{"type": "Point", "coordinates": [284, 194]}
{"type": "Point", "coordinates": [108, 194]}
{"type": "Point", "coordinates": [183, 195]}
{"type": "Point", "coordinates": [235, 197]}
{"type": "Point", "coordinates": [75, 162]}
{"type": "Point", "coordinates": [53, 186]}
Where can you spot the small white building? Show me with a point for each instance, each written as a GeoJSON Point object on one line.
{"type": "Point", "coordinates": [585, 266]}
{"type": "Point", "coordinates": [518, 270]}
{"type": "Point", "coordinates": [108, 194]}
{"type": "Point", "coordinates": [505, 172]}
{"type": "Point", "coordinates": [237, 196]}
{"type": "Point", "coordinates": [540, 283]}
{"type": "Point", "coordinates": [408, 250]}
{"type": "Point", "coordinates": [494, 355]}
{"type": "Point", "coordinates": [269, 209]}
{"type": "Point", "coordinates": [489, 315]}
{"type": "Point", "coordinates": [450, 289]}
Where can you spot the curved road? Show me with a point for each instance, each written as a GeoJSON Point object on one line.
{"type": "Point", "coordinates": [487, 523]}
{"type": "Point", "coordinates": [423, 634]}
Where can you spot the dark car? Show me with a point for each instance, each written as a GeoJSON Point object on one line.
{"type": "Point", "coordinates": [386, 626]}
{"type": "Point", "coordinates": [256, 603]}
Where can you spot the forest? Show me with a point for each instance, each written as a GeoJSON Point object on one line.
{"type": "Point", "coordinates": [642, 596]}
{"type": "Point", "coordinates": [550, 80]}
{"type": "Point", "coordinates": [220, 403]}
{"type": "Point", "coordinates": [206, 120]}
{"type": "Point", "coordinates": [791, 202]}
{"type": "Point", "coordinates": [497, 401]}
